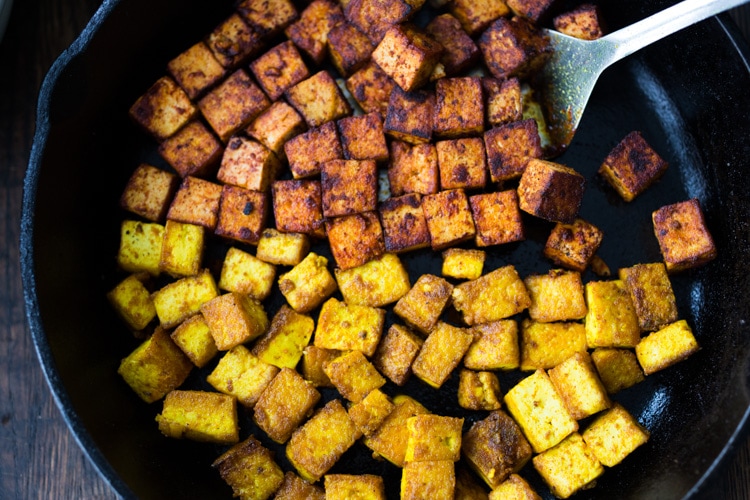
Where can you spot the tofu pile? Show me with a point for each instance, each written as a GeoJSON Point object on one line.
{"type": "Point", "coordinates": [349, 127]}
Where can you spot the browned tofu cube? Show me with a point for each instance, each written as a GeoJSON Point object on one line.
{"type": "Point", "coordinates": [435, 479]}
{"type": "Point", "coordinates": [632, 166]}
{"type": "Point", "coordinates": [196, 69]}
{"type": "Point", "coordinates": [503, 101]}
{"type": "Point", "coordinates": [355, 239]}
{"type": "Point", "coordinates": [461, 53]}
{"type": "Point", "coordinates": [409, 115]}
{"type": "Point", "coordinates": [389, 440]}
{"type": "Point", "coordinates": [476, 15]}
{"type": "Point", "coordinates": [556, 296]}
{"type": "Point", "coordinates": [513, 47]}
{"type": "Point", "coordinates": [618, 368]}
{"type": "Point", "coordinates": [683, 237]}
{"type": "Point", "coordinates": [463, 263]}
{"type": "Point", "coordinates": [298, 207]}
{"type": "Point", "coordinates": [202, 416]}
{"type": "Point", "coordinates": [233, 42]}
{"type": "Point", "coordinates": [193, 150]}
{"type": "Point", "coordinates": [149, 192]}
{"type": "Point", "coordinates": [379, 282]}
{"type": "Point", "coordinates": [611, 320]}
{"type": "Point", "coordinates": [509, 148]}
{"type": "Point", "coordinates": [353, 375]}
{"type": "Point", "coordinates": [569, 467]}
{"type": "Point", "coordinates": [459, 107]}
{"type": "Point", "coordinates": [404, 223]}
{"type": "Point", "coordinates": [233, 104]}
{"type": "Point", "coordinates": [250, 469]}
{"type": "Point", "coordinates": [284, 404]}
{"type": "Point", "coordinates": [308, 284]}
{"type": "Point", "coordinates": [495, 346]}
{"type": "Point", "coordinates": [545, 345]}
{"type": "Point", "coordinates": [666, 347]}
{"type": "Point", "coordinates": [584, 22]}
{"type": "Point", "coordinates": [346, 486]}
{"type": "Point", "coordinates": [536, 11]}
{"type": "Point", "coordinates": [371, 87]}
{"type": "Point", "coordinates": [498, 294]}
{"type": "Point", "coordinates": [448, 218]}
{"type": "Point", "coordinates": [348, 48]}
{"type": "Point", "coordinates": [413, 169]}
{"type": "Point", "coordinates": [374, 17]}
{"type": "Point", "coordinates": [441, 353]}
{"type": "Point", "coordinates": [497, 218]}
{"type": "Point", "coordinates": [318, 99]}
{"type": "Point", "coordinates": [614, 435]}
{"type": "Point", "coordinates": [578, 383]}
{"type": "Point", "coordinates": [314, 358]}
{"type": "Point", "coordinates": [243, 375]}
{"type": "Point", "coordinates": [275, 126]}
{"type": "Point", "coordinates": [514, 488]}
{"type": "Point", "coordinates": [468, 486]}
{"type": "Point", "coordinates": [396, 352]}
{"type": "Point", "coordinates": [433, 437]}
{"type": "Point", "coordinates": [423, 304]}
{"type": "Point", "coordinates": [310, 31]}
{"type": "Point", "coordinates": [407, 55]}
{"type": "Point", "coordinates": [362, 137]}
{"type": "Point", "coordinates": [550, 191]}
{"type": "Point", "coordinates": [369, 413]}
{"type": "Point", "coordinates": [652, 295]}
{"type": "Point", "coordinates": [279, 69]}
{"type": "Point", "coordinates": [461, 163]}
{"type": "Point", "coordinates": [196, 202]}
{"type": "Point", "coordinates": [234, 319]}
{"type": "Point", "coordinates": [242, 214]}
{"type": "Point", "coordinates": [478, 391]}
{"type": "Point", "coordinates": [308, 151]}
{"type": "Point", "coordinates": [296, 488]}
{"type": "Point", "coordinates": [268, 17]}
{"type": "Point", "coordinates": [163, 109]}
{"type": "Point", "coordinates": [573, 246]}
{"type": "Point", "coordinates": [248, 164]}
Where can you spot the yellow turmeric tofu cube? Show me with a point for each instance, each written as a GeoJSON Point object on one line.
{"type": "Point", "coordinates": [434, 479]}
{"type": "Point", "coordinates": [513, 47]}
{"type": "Point", "coordinates": [244, 273]}
{"type": "Point", "coordinates": [423, 304]}
{"type": "Point", "coordinates": [182, 249]}
{"type": "Point", "coordinates": [196, 202]}
{"type": "Point", "coordinates": [404, 223]}
{"type": "Point", "coordinates": [618, 368]}
{"type": "Point", "coordinates": [349, 327]}
{"type": "Point", "coordinates": [355, 239]}
{"type": "Point", "coordinates": [495, 346]}
{"type": "Point", "coordinates": [279, 69]}
{"type": "Point", "coordinates": [652, 295]}
{"type": "Point", "coordinates": [448, 218]}
{"type": "Point", "coordinates": [282, 249]}
{"type": "Point", "coordinates": [140, 246]}
{"type": "Point", "coordinates": [461, 53]}
{"type": "Point", "coordinates": [149, 192]}
{"type": "Point", "coordinates": [308, 151]}
{"type": "Point", "coordinates": [556, 296]}
{"type": "Point", "coordinates": [308, 283]}
{"type": "Point", "coordinates": [463, 263]}
{"type": "Point", "coordinates": [468, 486]}
{"type": "Point", "coordinates": [233, 42]}
{"type": "Point", "coordinates": [535, 11]}
{"type": "Point", "coordinates": [349, 486]}
{"type": "Point", "coordinates": [133, 303]}
{"type": "Point", "coordinates": [282, 345]}
{"type": "Point", "coordinates": [321, 441]}
{"type": "Point", "coordinates": [380, 282]}
{"type": "Point", "coordinates": [318, 99]}
{"type": "Point", "coordinates": [192, 150]}
{"type": "Point", "coordinates": [433, 437]}
{"type": "Point", "coordinates": [196, 69]}
{"type": "Point", "coordinates": [177, 301]}
{"type": "Point", "coordinates": [200, 416]}
{"type": "Point", "coordinates": [310, 31]}
{"type": "Point", "coordinates": [163, 109]}
{"type": "Point", "coordinates": [476, 15]}
{"type": "Point", "coordinates": [550, 191]}
{"type": "Point", "coordinates": [441, 353]}
{"type": "Point", "coordinates": [248, 164]}
{"type": "Point", "coordinates": [284, 404]}
{"type": "Point", "coordinates": [578, 383]}
{"type": "Point", "coordinates": [409, 115]}
{"type": "Point", "coordinates": [241, 374]}
{"type": "Point", "coordinates": [348, 48]}
{"type": "Point", "coordinates": [509, 148]}
{"type": "Point", "coordinates": [369, 413]}
{"type": "Point", "coordinates": [584, 22]}
{"type": "Point", "coordinates": [362, 137]}
{"type": "Point", "coordinates": [250, 469]}
{"type": "Point", "coordinates": [413, 169]}
{"type": "Point", "coordinates": [313, 360]}
{"type": "Point", "coordinates": [459, 107]}
{"type": "Point", "coordinates": [540, 411]}
{"type": "Point", "coordinates": [611, 320]}
{"type": "Point", "coordinates": [234, 319]}
{"type": "Point", "coordinates": [275, 126]}
{"type": "Point", "coordinates": [194, 338]}
{"type": "Point", "coordinates": [632, 166]}
{"type": "Point", "coordinates": [503, 101]}
{"type": "Point", "coordinates": [665, 347]}
{"type": "Point", "coordinates": [514, 488]}
{"type": "Point", "coordinates": [408, 55]}
{"type": "Point", "coordinates": [389, 440]}
{"type": "Point", "coordinates": [544, 345]}
{"type": "Point", "coordinates": [353, 375]}
{"type": "Point", "coordinates": [497, 218]}
{"type": "Point", "coordinates": [268, 17]}
{"type": "Point", "coordinates": [396, 352]}
{"type": "Point", "coordinates": [242, 214]}
{"type": "Point", "coordinates": [496, 295]}
{"type": "Point", "coordinates": [298, 207]}
{"type": "Point", "coordinates": [684, 239]}
{"type": "Point", "coordinates": [296, 488]}
{"type": "Point", "coordinates": [478, 391]}
{"type": "Point", "coordinates": [461, 163]}
{"type": "Point", "coordinates": [614, 435]}
{"type": "Point", "coordinates": [349, 187]}
{"type": "Point", "coordinates": [371, 87]}
{"type": "Point", "coordinates": [495, 448]}
{"type": "Point", "coordinates": [568, 467]}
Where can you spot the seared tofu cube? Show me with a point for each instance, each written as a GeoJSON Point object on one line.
{"type": "Point", "coordinates": [308, 283]}
{"type": "Point", "coordinates": [140, 247]}
{"type": "Point", "coordinates": [459, 107]}
{"type": "Point", "coordinates": [389, 440]}
{"type": "Point", "coordinates": [407, 55]}
{"type": "Point", "coordinates": [284, 404]}
{"type": "Point", "coordinates": [683, 237]}
{"type": "Point", "coordinates": [462, 163]}
{"type": "Point", "coordinates": [503, 101]}
{"type": "Point", "coordinates": [362, 137]}
{"type": "Point", "coordinates": [536, 11]}
{"type": "Point", "coordinates": [355, 239]}
{"type": "Point", "coordinates": [243, 375]}
{"type": "Point", "coordinates": [282, 249]}
{"type": "Point", "coordinates": [515, 488]}
{"type": "Point", "coordinates": [282, 345]}
{"type": "Point", "coordinates": [244, 273]}
{"type": "Point", "coordinates": [573, 246]}
{"type": "Point", "coordinates": [396, 352]}
{"type": "Point", "coordinates": [250, 469]}
{"type": "Point", "coordinates": [182, 249]}
{"type": "Point", "coordinates": [207, 417]}
{"type": "Point", "coordinates": [665, 347]}
{"type": "Point", "coordinates": [296, 488]}
{"type": "Point", "coordinates": [461, 53]}
{"type": "Point", "coordinates": [346, 327]}
{"type": "Point", "coordinates": [318, 99]}
{"type": "Point", "coordinates": [248, 164]}
{"type": "Point", "coordinates": [196, 69]}
{"type": "Point", "coordinates": [346, 486]}
{"type": "Point", "coordinates": [298, 207]}
{"type": "Point", "coordinates": [371, 87]}
{"type": "Point", "coordinates": [310, 31]}
{"type": "Point", "coordinates": [409, 115]}
{"type": "Point", "coordinates": [652, 295]}
{"type": "Point", "coordinates": [353, 375]}
{"type": "Point", "coordinates": [550, 191]}
{"type": "Point", "coordinates": [476, 15]}
{"type": "Point", "coordinates": [193, 150]}
{"type": "Point", "coordinates": [618, 368]}
{"type": "Point", "coordinates": [279, 69]}
{"type": "Point", "coordinates": [196, 202]}
{"type": "Point", "coordinates": [149, 192]}
{"type": "Point", "coordinates": [435, 479]}
{"type": "Point", "coordinates": [155, 368]}
{"type": "Point", "coordinates": [568, 467]}
{"type": "Point", "coordinates": [233, 104]}
{"type": "Point", "coordinates": [404, 223]}
{"type": "Point", "coordinates": [556, 296]}
{"type": "Point", "coordinates": [193, 336]}
{"type": "Point", "coordinates": [413, 169]}
{"type": "Point", "coordinates": [498, 294]}
{"type": "Point", "coordinates": [379, 282]}
{"type": "Point", "coordinates": [275, 126]}
{"type": "Point", "coordinates": [578, 383]}
{"type": "Point", "coordinates": [632, 166]}
{"type": "Point", "coordinates": [369, 413]}
{"type": "Point", "coordinates": [611, 320]}
{"type": "Point", "coordinates": [513, 48]}
{"type": "Point", "coordinates": [375, 17]}
{"type": "Point", "coordinates": [448, 218]}
{"type": "Point", "coordinates": [242, 214]}
{"type": "Point", "coordinates": [441, 353]}
{"type": "Point", "coordinates": [468, 486]}
{"type": "Point", "coordinates": [313, 360]}
{"type": "Point", "coordinates": [234, 319]}
{"type": "Point", "coordinates": [233, 42]}
{"type": "Point", "coordinates": [348, 48]}
{"type": "Point", "coordinates": [308, 151]}
{"type": "Point", "coordinates": [495, 346]}
{"type": "Point", "coordinates": [423, 304]}
{"type": "Point", "coordinates": [133, 303]}
{"type": "Point", "coordinates": [268, 17]}
{"type": "Point", "coordinates": [614, 435]}
{"type": "Point", "coordinates": [463, 263]}
{"type": "Point", "coordinates": [509, 148]}
{"type": "Point", "coordinates": [540, 411]}
{"type": "Point", "coordinates": [433, 437]}
{"type": "Point", "coordinates": [497, 218]}
{"type": "Point", "coordinates": [545, 345]}
{"type": "Point", "coordinates": [584, 22]}
{"type": "Point", "coordinates": [478, 391]}
{"type": "Point", "coordinates": [495, 448]}
{"type": "Point", "coordinates": [178, 300]}
{"type": "Point", "coordinates": [163, 109]}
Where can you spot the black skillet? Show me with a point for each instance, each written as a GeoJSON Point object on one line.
{"type": "Point", "coordinates": [688, 94]}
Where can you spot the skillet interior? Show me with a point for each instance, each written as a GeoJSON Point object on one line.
{"type": "Point", "coordinates": [689, 99]}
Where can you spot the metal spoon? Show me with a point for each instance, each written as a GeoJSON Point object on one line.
{"type": "Point", "coordinates": [569, 75]}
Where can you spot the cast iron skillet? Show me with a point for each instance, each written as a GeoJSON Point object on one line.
{"type": "Point", "coordinates": [689, 95]}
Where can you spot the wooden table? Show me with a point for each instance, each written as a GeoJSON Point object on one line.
{"type": "Point", "coordinates": [39, 457]}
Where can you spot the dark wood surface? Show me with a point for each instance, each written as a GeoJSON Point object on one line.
{"type": "Point", "coordinates": [39, 457]}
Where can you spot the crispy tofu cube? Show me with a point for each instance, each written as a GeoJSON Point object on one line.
{"type": "Point", "coordinates": [347, 486]}
{"type": "Point", "coordinates": [310, 31]}
{"type": "Point", "coordinates": [513, 48]}
{"type": "Point", "coordinates": [355, 239]}
{"type": "Point", "coordinates": [448, 218]}
{"type": "Point", "coordinates": [246, 274]}
{"type": "Point", "coordinates": [248, 164]}
{"type": "Point", "coordinates": [396, 353]}
{"type": "Point", "coordinates": [509, 148]}
{"type": "Point", "coordinates": [282, 249]}
{"type": "Point", "coordinates": [478, 391]}
{"type": "Point", "coordinates": [298, 207]}
{"type": "Point", "coordinates": [514, 488]}
{"type": "Point", "coordinates": [556, 296]}
{"type": "Point", "coordinates": [468, 486]}
{"type": "Point", "coordinates": [284, 404]}
{"type": "Point", "coordinates": [568, 467]}
{"type": "Point", "coordinates": [423, 304]}
{"type": "Point", "coordinates": [496, 295]}
{"type": "Point", "coordinates": [413, 169]}
{"type": "Point", "coordinates": [308, 283]}
{"type": "Point", "coordinates": [279, 69]}
{"type": "Point", "coordinates": [318, 99]}
{"type": "Point", "coordinates": [652, 295]}
{"type": "Point", "coordinates": [296, 488]}
{"type": "Point", "coordinates": [348, 48]}
{"type": "Point", "coordinates": [663, 348]}
{"type": "Point", "coordinates": [275, 126]}
{"type": "Point", "coordinates": [196, 202]}
{"type": "Point", "coordinates": [149, 192]}
{"type": "Point", "coordinates": [182, 249]}
{"type": "Point", "coordinates": [243, 375]}
{"type": "Point", "coordinates": [683, 237]}
{"type": "Point", "coordinates": [321, 441]}
{"type": "Point", "coordinates": [476, 15]}
{"type": "Point", "coordinates": [380, 282]}
{"type": "Point", "coordinates": [497, 218]}
{"type": "Point", "coordinates": [441, 353]}
{"type": "Point", "coordinates": [404, 224]}
{"type": "Point", "coordinates": [196, 69]}
{"type": "Point", "coordinates": [550, 191]}
{"type": "Point", "coordinates": [348, 327]}
{"type": "Point", "coordinates": [461, 53]}
{"type": "Point", "coordinates": [163, 109]}
{"type": "Point", "coordinates": [618, 368]}
{"type": "Point", "coordinates": [362, 138]}
{"type": "Point", "coordinates": [435, 479]}
{"type": "Point", "coordinates": [611, 320]}
{"type": "Point", "coordinates": [249, 468]}
{"type": "Point", "coordinates": [584, 22]}
{"type": "Point", "coordinates": [375, 17]}
{"type": "Point", "coordinates": [177, 301]}
{"type": "Point", "coordinates": [463, 263]}
{"type": "Point", "coordinates": [389, 440]}
{"type": "Point", "coordinates": [614, 435]}
{"type": "Point", "coordinates": [407, 55]}
{"type": "Point", "coordinates": [409, 115]}
{"type": "Point", "coordinates": [632, 166]}
{"type": "Point", "coordinates": [540, 411]}
{"type": "Point", "coordinates": [242, 214]}
{"type": "Point", "coordinates": [433, 437]}
{"type": "Point", "coordinates": [268, 18]}
{"type": "Point", "coordinates": [353, 375]}
{"type": "Point", "coordinates": [369, 413]}
{"type": "Point", "coordinates": [459, 107]}
{"type": "Point", "coordinates": [313, 360]}
{"type": "Point", "coordinates": [545, 345]}
{"type": "Point", "coordinates": [573, 246]}
{"type": "Point", "coordinates": [462, 163]}
{"type": "Point", "coordinates": [193, 336]}
{"type": "Point", "coordinates": [156, 367]}
{"type": "Point", "coordinates": [233, 42]}
{"type": "Point", "coordinates": [495, 448]}
{"type": "Point", "coordinates": [308, 151]}
{"type": "Point", "coordinates": [578, 383]}
{"type": "Point", "coordinates": [193, 150]}
{"type": "Point", "coordinates": [495, 346]}
{"type": "Point", "coordinates": [208, 417]}
{"type": "Point", "coordinates": [536, 11]}
{"type": "Point", "coordinates": [282, 345]}
{"type": "Point", "coordinates": [348, 187]}
{"type": "Point", "coordinates": [371, 87]}
{"type": "Point", "coordinates": [133, 303]}
{"type": "Point", "coordinates": [503, 101]}
{"type": "Point", "coordinates": [140, 247]}
{"type": "Point", "coordinates": [234, 319]}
